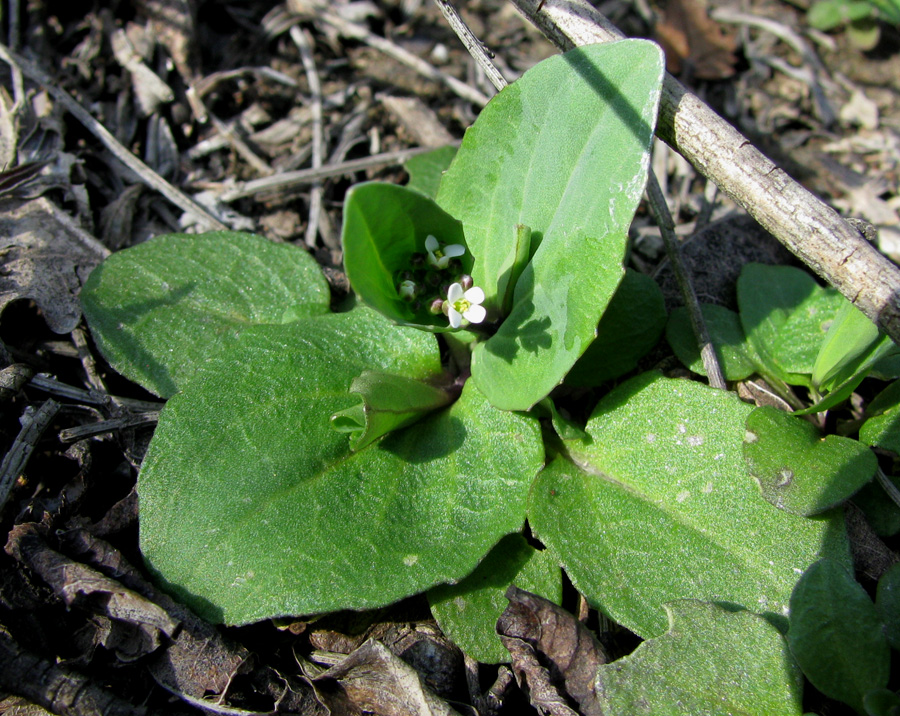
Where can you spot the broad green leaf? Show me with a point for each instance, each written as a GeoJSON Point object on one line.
{"type": "Point", "coordinates": [724, 327]}
{"type": "Point", "coordinates": [882, 702]}
{"type": "Point", "coordinates": [800, 470]}
{"type": "Point", "coordinates": [882, 513]}
{"type": "Point", "coordinates": [161, 308]}
{"type": "Point", "coordinates": [467, 612]}
{"type": "Point", "coordinates": [252, 506]}
{"type": "Point", "coordinates": [889, 10]}
{"type": "Point", "coordinates": [801, 335]}
{"type": "Point", "coordinates": [887, 601]}
{"type": "Point", "coordinates": [425, 170]}
{"type": "Point", "coordinates": [887, 367]}
{"type": "Point", "coordinates": [864, 33]}
{"type": "Point", "coordinates": [389, 402]}
{"type": "Point", "coordinates": [836, 634]}
{"type": "Point", "coordinates": [882, 429]}
{"type": "Point", "coordinates": [385, 226]}
{"type": "Point", "coordinates": [785, 314]}
{"type": "Point", "coordinates": [849, 339]}
{"type": "Point", "coordinates": [825, 14]}
{"type": "Point", "coordinates": [630, 327]}
{"type": "Point", "coordinates": [564, 151]}
{"type": "Point", "coordinates": [712, 661]}
{"type": "Point", "coordinates": [659, 507]}
{"type": "Point", "coordinates": [888, 399]}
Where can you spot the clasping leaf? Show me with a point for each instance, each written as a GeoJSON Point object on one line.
{"type": "Point", "coordinates": [389, 402]}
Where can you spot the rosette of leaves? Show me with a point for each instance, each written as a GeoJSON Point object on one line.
{"type": "Point", "coordinates": [252, 504]}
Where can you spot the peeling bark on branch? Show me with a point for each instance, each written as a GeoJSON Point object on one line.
{"type": "Point", "coordinates": [810, 229]}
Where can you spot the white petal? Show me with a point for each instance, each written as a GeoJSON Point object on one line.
{"type": "Point", "coordinates": [455, 317]}
{"type": "Point", "coordinates": [454, 250]}
{"type": "Point", "coordinates": [431, 243]}
{"type": "Point", "coordinates": [475, 295]}
{"type": "Point", "coordinates": [455, 292]}
{"type": "Point", "coordinates": [475, 314]}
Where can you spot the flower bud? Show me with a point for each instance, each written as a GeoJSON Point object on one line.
{"type": "Point", "coordinates": [407, 290]}
{"type": "Point", "coordinates": [466, 281]}
{"type": "Point", "coordinates": [436, 307]}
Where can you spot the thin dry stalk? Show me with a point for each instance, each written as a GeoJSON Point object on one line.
{"type": "Point", "coordinates": [303, 41]}
{"type": "Point", "coordinates": [474, 46]}
{"type": "Point", "coordinates": [301, 177]}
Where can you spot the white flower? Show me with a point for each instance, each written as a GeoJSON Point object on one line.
{"type": "Point", "coordinates": [407, 290]}
{"type": "Point", "coordinates": [440, 257]}
{"type": "Point", "coordinates": [464, 305]}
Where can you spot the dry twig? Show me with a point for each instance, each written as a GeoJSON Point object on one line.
{"type": "Point", "coordinates": [303, 41]}
{"type": "Point", "coordinates": [471, 43]}
{"type": "Point", "coordinates": [287, 180]}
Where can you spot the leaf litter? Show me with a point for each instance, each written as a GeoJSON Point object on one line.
{"type": "Point", "coordinates": [213, 100]}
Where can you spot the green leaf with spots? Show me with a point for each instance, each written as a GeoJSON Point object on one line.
{"type": "Point", "coordinates": [712, 661]}
{"type": "Point", "coordinates": [724, 327]}
{"type": "Point", "coordinates": [563, 150]}
{"type": "Point", "coordinates": [425, 170]}
{"type": "Point", "coordinates": [252, 506]}
{"type": "Point", "coordinates": [160, 309]}
{"type": "Point", "coordinates": [468, 611]}
{"type": "Point", "coordinates": [800, 470]}
{"type": "Point", "coordinates": [658, 506]}
{"type": "Point", "coordinates": [383, 236]}
{"type": "Point", "coordinates": [836, 634]}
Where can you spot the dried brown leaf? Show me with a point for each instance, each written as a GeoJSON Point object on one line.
{"type": "Point", "coordinates": [373, 679]}
{"type": "Point", "coordinates": [419, 121]}
{"type": "Point", "coordinates": [695, 42]}
{"type": "Point", "coordinates": [149, 90]}
{"type": "Point", "coordinates": [117, 217]}
{"type": "Point", "coordinates": [174, 26]}
{"type": "Point", "coordinates": [45, 257]}
{"type": "Point", "coordinates": [532, 625]}
{"type": "Point", "coordinates": [78, 584]}
{"type": "Point", "coordinates": [199, 661]}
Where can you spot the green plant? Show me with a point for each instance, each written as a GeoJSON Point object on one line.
{"type": "Point", "coordinates": [860, 17]}
{"type": "Point", "coordinates": [311, 459]}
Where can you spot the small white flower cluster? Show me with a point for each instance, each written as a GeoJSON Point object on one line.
{"type": "Point", "coordinates": [459, 301]}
